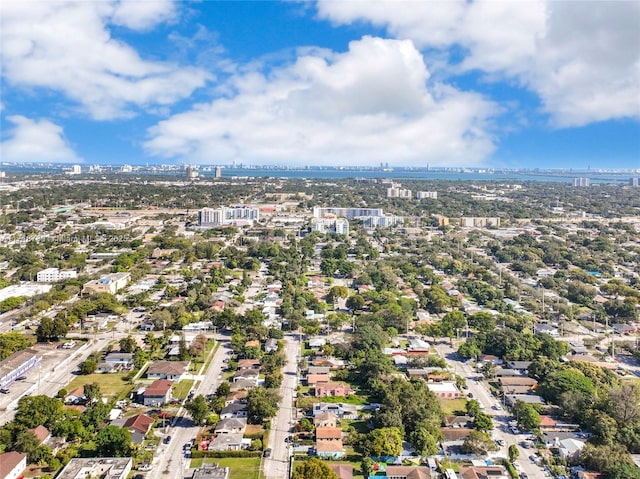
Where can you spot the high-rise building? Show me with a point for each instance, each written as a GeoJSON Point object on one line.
{"type": "Point", "coordinates": [349, 213]}
{"type": "Point", "coordinates": [210, 217]}
{"type": "Point", "coordinates": [634, 182]}
{"type": "Point", "coordinates": [330, 225]}
{"type": "Point", "coordinates": [396, 192]}
{"type": "Point", "coordinates": [581, 182]}
{"type": "Point", "coordinates": [218, 171]}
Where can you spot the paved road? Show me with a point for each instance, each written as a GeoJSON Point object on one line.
{"type": "Point", "coordinates": [277, 465]}
{"type": "Point", "coordinates": [492, 406]}
{"type": "Point", "coordinates": [169, 461]}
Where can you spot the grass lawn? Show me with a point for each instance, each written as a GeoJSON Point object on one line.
{"type": "Point", "coordinates": [111, 384]}
{"type": "Point", "coordinates": [351, 399]}
{"type": "Point", "coordinates": [357, 472]}
{"type": "Point", "coordinates": [181, 389]}
{"type": "Point", "coordinates": [239, 467]}
{"type": "Point", "coordinates": [451, 407]}
{"type": "Point", "coordinates": [359, 426]}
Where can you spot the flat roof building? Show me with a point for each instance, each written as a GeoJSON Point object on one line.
{"type": "Point", "coordinates": [97, 468]}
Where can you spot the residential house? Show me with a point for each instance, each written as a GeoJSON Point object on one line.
{"type": "Point", "coordinates": [445, 390]}
{"type": "Point", "coordinates": [332, 389]}
{"type": "Point", "coordinates": [313, 379]}
{"type": "Point", "coordinates": [125, 359]}
{"type": "Point", "coordinates": [519, 365]}
{"type": "Point", "coordinates": [12, 464]}
{"type": "Point", "coordinates": [458, 421]}
{"type": "Point", "coordinates": [227, 442]}
{"type": "Point", "coordinates": [455, 433]}
{"type": "Point", "coordinates": [318, 370]}
{"type": "Point", "coordinates": [341, 410]}
{"type": "Point", "coordinates": [317, 343]}
{"type": "Point", "coordinates": [107, 467]}
{"type": "Point", "coordinates": [234, 410]}
{"type": "Point", "coordinates": [511, 399]}
{"type": "Point", "coordinates": [41, 433]}
{"type": "Point", "coordinates": [508, 383]}
{"type": "Point", "coordinates": [243, 384]}
{"type": "Point", "coordinates": [138, 425]}
{"type": "Point", "coordinates": [570, 448]}
{"type": "Point", "coordinates": [158, 393]}
{"type": "Point", "coordinates": [270, 345]}
{"type": "Point", "coordinates": [343, 471]}
{"type": "Point", "coordinates": [248, 364]}
{"type": "Point", "coordinates": [172, 370]}
{"type": "Point", "coordinates": [236, 396]}
{"type": "Point", "coordinates": [325, 419]}
{"type": "Point", "coordinates": [329, 442]}
{"type": "Point", "coordinates": [418, 347]}
{"type": "Point", "coordinates": [211, 471]}
{"type": "Point", "coordinates": [484, 472]}
{"type": "Point", "coordinates": [75, 396]}
{"type": "Point", "coordinates": [231, 426]}
{"type": "Point", "coordinates": [408, 472]}
{"type": "Point", "coordinates": [247, 374]}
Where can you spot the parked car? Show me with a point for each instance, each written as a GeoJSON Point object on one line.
{"type": "Point", "coordinates": [267, 452]}
{"type": "Point", "coordinates": [167, 440]}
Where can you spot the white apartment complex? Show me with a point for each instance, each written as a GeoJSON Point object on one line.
{"type": "Point", "coordinates": [348, 213]}
{"type": "Point", "coordinates": [211, 217]}
{"type": "Point", "coordinates": [431, 195]}
{"type": "Point", "coordinates": [396, 192]}
{"type": "Point", "coordinates": [581, 182]}
{"type": "Point", "coordinates": [53, 275]}
{"type": "Point", "coordinates": [330, 225]}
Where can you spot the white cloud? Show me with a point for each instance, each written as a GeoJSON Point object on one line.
{"type": "Point", "coordinates": [582, 58]}
{"type": "Point", "coordinates": [66, 46]}
{"type": "Point", "coordinates": [142, 14]}
{"type": "Point", "coordinates": [373, 103]}
{"type": "Point", "coordinates": [39, 141]}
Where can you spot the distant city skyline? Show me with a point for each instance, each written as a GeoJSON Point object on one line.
{"type": "Point", "coordinates": [499, 85]}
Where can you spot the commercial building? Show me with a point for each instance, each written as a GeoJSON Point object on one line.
{"type": "Point", "coordinates": [17, 365]}
{"type": "Point", "coordinates": [634, 182]}
{"type": "Point", "coordinates": [53, 275]}
{"type": "Point", "coordinates": [110, 283]}
{"type": "Point", "coordinates": [479, 221]}
{"type": "Point", "coordinates": [25, 289]}
{"type": "Point", "coordinates": [98, 467]}
{"type": "Point", "coordinates": [372, 222]}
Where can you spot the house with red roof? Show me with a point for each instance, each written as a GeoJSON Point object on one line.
{"type": "Point", "coordinates": [158, 393]}
{"type": "Point", "coordinates": [12, 464]}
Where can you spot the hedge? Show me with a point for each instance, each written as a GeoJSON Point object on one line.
{"type": "Point", "coordinates": [220, 454]}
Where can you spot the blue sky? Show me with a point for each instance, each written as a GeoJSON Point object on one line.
{"type": "Point", "coordinates": [516, 84]}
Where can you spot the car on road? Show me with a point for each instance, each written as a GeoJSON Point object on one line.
{"type": "Point", "coordinates": [470, 395]}
{"type": "Point", "coordinates": [523, 475]}
{"type": "Point", "coordinates": [167, 439]}
{"type": "Point", "coordinates": [4, 391]}
{"type": "Point", "coordinates": [495, 407]}
{"type": "Point", "coordinates": [500, 442]}
{"type": "Point", "coordinates": [267, 452]}
{"type": "Point", "coordinates": [533, 458]}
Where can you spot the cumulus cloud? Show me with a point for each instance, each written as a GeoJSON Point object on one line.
{"type": "Point", "coordinates": [582, 58]}
{"type": "Point", "coordinates": [66, 46]}
{"type": "Point", "coordinates": [39, 141]}
{"type": "Point", "coordinates": [372, 103]}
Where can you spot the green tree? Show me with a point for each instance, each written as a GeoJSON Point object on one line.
{"type": "Point", "coordinates": [385, 441]}
{"type": "Point", "coordinates": [478, 442]}
{"type": "Point", "coordinates": [514, 452]}
{"type": "Point", "coordinates": [38, 410]}
{"type": "Point", "coordinates": [88, 366]}
{"type": "Point", "coordinates": [262, 404]}
{"type": "Point", "coordinates": [313, 468]}
{"type": "Point", "coordinates": [198, 408]}
{"type": "Point", "coordinates": [128, 344]}
{"type": "Point", "coordinates": [482, 422]}
{"type": "Point", "coordinates": [472, 407]}
{"type": "Point", "coordinates": [527, 416]}
{"type": "Point", "coordinates": [425, 439]}
{"type": "Point", "coordinates": [113, 441]}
